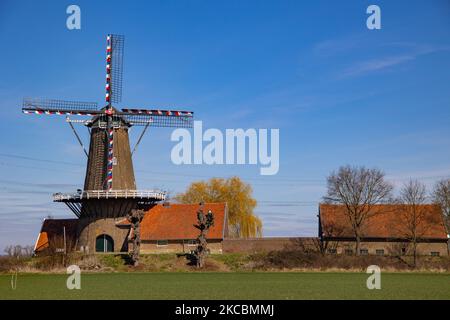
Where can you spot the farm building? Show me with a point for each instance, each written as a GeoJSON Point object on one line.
{"type": "Point", "coordinates": [386, 231]}
{"type": "Point", "coordinates": [164, 228]}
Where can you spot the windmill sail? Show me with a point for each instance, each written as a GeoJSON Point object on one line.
{"type": "Point", "coordinates": [59, 107]}
{"type": "Point", "coordinates": [114, 67]}
{"type": "Point", "coordinates": [158, 118]}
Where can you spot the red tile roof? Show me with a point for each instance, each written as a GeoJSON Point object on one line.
{"type": "Point", "coordinates": [176, 222]}
{"type": "Point", "coordinates": [385, 221]}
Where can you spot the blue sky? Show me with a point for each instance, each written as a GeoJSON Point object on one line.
{"type": "Point", "coordinates": [339, 93]}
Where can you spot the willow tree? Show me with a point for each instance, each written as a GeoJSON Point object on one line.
{"type": "Point", "coordinates": [242, 221]}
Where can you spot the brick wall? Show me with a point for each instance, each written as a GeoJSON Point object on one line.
{"type": "Point", "coordinates": [90, 229]}
{"type": "Point", "coordinates": [391, 248]}
{"type": "Point", "coordinates": [177, 246]}
{"type": "Point", "coordinates": [253, 245]}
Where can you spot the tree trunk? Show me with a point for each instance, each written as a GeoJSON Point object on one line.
{"type": "Point", "coordinates": [136, 245]}
{"type": "Point", "coordinates": [135, 217]}
{"type": "Point", "coordinates": [358, 243]}
{"type": "Point", "coordinates": [204, 223]}
{"type": "Point", "coordinates": [201, 251]}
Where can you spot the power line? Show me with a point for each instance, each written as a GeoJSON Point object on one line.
{"type": "Point", "coordinates": [5, 164]}
{"type": "Point", "coordinates": [38, 159]}
{"type": "Point", "coordinates": [289, 201]}
{"type": "Point", "coordinates": [265, 180]}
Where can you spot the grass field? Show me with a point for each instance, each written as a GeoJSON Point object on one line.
{"type": "Point", "coordinates": [227, 286]}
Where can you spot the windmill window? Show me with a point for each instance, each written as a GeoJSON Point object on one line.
{"type": "Point", "coordinates": [332, 251]}
{"type": "Point", "coordinates": [379, 252]}
{"type": "Point", "coordinates": [435, 253]}
{"type": "Point", "coordinates": [364, 252]}
{"type": "Point", "coordinates": [162, 243]}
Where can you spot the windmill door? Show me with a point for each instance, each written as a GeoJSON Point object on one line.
{"type": "Point", "coordinates": [104, 243]}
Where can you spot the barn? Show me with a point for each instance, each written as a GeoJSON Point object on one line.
{"type": "Point", "coordinates": [386, 231]}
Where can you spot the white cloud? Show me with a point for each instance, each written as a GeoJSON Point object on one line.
{"type": "Point", "coordinates": [385, 62]}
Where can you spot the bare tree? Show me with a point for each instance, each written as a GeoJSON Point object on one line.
{"type": "Point", "coordinates": [19, 251]}
{"type": "Point", "coordinates": [9, 250]}
{"type": "Point", "coordinates": [441, 196]}
{"type": "Point", "coordinates": [413, 195]}
{"type": "Point", "coordinates": [203, 224]}
{"type": "Point", "coordinates": [330, 230]}
{"type": "Point", "coordinates": [398, 249]}
{"type": "Point", "coordinates": [358, 189]}
{"type": "Point", "coordinates": [28, 251]}
{"type": "Point", "coordinates": [135, 217]}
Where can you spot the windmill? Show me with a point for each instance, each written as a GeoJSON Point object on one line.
{"type": "Point", "coordinates": [109, 188]}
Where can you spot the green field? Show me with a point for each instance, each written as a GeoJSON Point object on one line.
{"type": "Point", "coordinates": [227, 286]}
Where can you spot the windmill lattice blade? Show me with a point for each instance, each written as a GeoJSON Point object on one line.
{"type": "Point", "coordinates": [59, 107]}
{"type": "Point", "coordinates": [159, 118]}
{"type": "Point", "coordinates": [117, 46]}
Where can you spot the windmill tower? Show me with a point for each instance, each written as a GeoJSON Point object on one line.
{"type": "Point", "coordinates": [109, 191]}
